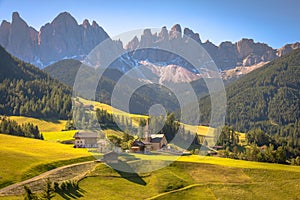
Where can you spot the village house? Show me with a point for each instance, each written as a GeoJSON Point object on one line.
{"type": "Point", "coordinates": [150, 143]}
{"type": "Point", "coordinates": [158, 141]}
{"type": "Point", "coordinates": [137, 147]}
{"type": "Point", "coordinates": [86, 139]}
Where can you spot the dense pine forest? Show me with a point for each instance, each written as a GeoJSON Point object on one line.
{"type": "Point", "coordinates": [27, 91]}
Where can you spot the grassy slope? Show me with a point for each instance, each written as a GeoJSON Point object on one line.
{"type": "Point", "coordinates": [44, 125]}
{"type": "Point", "coordinates": [51, 129]}
{"type": "Point", "coordinates": [182, 180]}
{"type": "Point", "coordinates": [19, 155]}
{"type": "Point", "coordinates": [110, 109]}
{"type": "Point", "coordinates": [191, 177]}
{"type": "Point", "coordinates": [201, 130]}
{"type": "Point", "coordinates": [58, 136]}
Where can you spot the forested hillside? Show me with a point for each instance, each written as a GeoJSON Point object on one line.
{"type": "Point", "coordinates": [26, 90]}
{"type": "Point", "coordinates": [66, 70]}
{"type": "Point", "coordinates": [267, 98]}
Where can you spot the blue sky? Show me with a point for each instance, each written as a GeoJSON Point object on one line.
{"type": "Point", "coordinates": [275, 22]}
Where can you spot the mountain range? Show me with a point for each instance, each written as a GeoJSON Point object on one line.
{"type": "Point", "coordinates": [65, 38]}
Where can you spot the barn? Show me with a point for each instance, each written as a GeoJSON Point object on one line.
{"type": "Point", "coordinates": [86, 139]}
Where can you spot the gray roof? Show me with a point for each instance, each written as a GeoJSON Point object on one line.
{"type": "Point", "coordinates": [138, 143]}
{"type": "Point", "coordinates": [156, 138]}
{"type": "Point", "coordinates": [86, 134]}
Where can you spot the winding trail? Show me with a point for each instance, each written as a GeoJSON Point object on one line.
{"type": "Point", "coordinates": [173, 191]}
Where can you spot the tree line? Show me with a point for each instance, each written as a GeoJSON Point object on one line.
{"type": "Point", "coordinates": [260, 146]}
{"type": "Point", "coordinates": [11, 127]}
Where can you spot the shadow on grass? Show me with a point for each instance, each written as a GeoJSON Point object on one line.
{"type": "Point", "coordinates": [126, 172]}
{"type": "Point", "coordinates": [55, 121]}
{"type": "Point", "coordinates": [71, 193]}
{"type": "Point", "coordinates": [127, 157]}
{"type": "Point", "coordinates": [111, 126]}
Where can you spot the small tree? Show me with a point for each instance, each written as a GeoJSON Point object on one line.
{"type": "Point", "coordinates": [56, 187]}
{"type": "Point", "coordinates": [48, 191]}
{"type": "Point", "coordinates": [29, 195]}
{"type": "Point", "coordinates": [280, 155]}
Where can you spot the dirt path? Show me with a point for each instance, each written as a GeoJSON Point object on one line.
{"type": "Point", "coordinates": [173, 191]}
{"type": "Point", "coordinates": [37, 183]}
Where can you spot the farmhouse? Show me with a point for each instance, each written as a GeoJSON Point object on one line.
{"type": "Point", "coordinates": [137, 146]}
{"type": "Point", "coordinates": [86, 139]}
{"type": "Point", "coordinates": [158, 141]}
{"type": "Point", "coordinates": [152, 142]}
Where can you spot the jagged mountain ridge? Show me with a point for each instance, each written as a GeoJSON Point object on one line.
{"type": "Point", "coordinates": [65, 38]}
{"type": "Point", "coordinates": [227, 55]}
{"type": "Point", "coordinates": [61, 38]}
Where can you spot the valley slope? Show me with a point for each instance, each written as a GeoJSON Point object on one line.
{"type": "Point", "coordinates": [28, 91]}
{"type": "Point", "coordinates": [267, 98]}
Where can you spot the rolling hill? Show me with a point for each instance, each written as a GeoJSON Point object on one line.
{"type": "Point", "coordinates": [19, 162]}
{"type": "Point", "coordinates": [191, 177]}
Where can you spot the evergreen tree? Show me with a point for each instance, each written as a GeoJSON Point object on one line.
{"type": "Point", "coordinates": [29, 195]}
{"type": "Point", "coordinates": [48, 192]}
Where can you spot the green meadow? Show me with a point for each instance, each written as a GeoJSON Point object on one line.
{"type": "Point", "coordinates": [189, 180]}
{"type": "Point", "coordinates": [22, 158]}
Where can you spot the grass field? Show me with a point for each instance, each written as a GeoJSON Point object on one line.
{"type": "Point", "coordinates": [23, 157]}
{"type": "Point", "coordinates": [135, 117]}
{"type": "Point", "coordinates": [190, 177]}
{"type": "Point", "coordinates": [44, 125]}
{"type": "Point", "coordinates": [200, 130]}
{"type": "Point", "coordinates": [51, 129]}
{"type": "Point", "coordinates": [186, 180]}
{"type": "Point", "coordinates": [58, 136]}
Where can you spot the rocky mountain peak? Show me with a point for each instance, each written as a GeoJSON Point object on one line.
{"type": "Point", "coordinates": [147, 33]}
{"type": "Point", "coordinates": [64, 20]}
{"type": "Point", "coordinates": [176, 28]}
{"type": "Point", "coordinates": [21, 39]}
{"type": "Point", "coordinates": [175, 32]}
{"type": "Point", "coordinates": [16, 16]}
{"type": "Point", "coordinates": [86, 23]}
{"type": "Point", "coordinates": [4, 32]}
{"type": "Point", "coordinates": [94, 24]}
{"type": "Point", "coordinates": [17, 20]}
{"type": "Point", "coordinates": [163, 33]}
{"type": "Point", "coordinates": [133, 44]}
{"type": "Point", "coordinates": [244, 47]}
{"type": "Point", "coordinates": [147, 39]}
{"type": "Point", "coordinates": [189, 33]}
{"type": "Point", "coordinates": [287, 49]}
